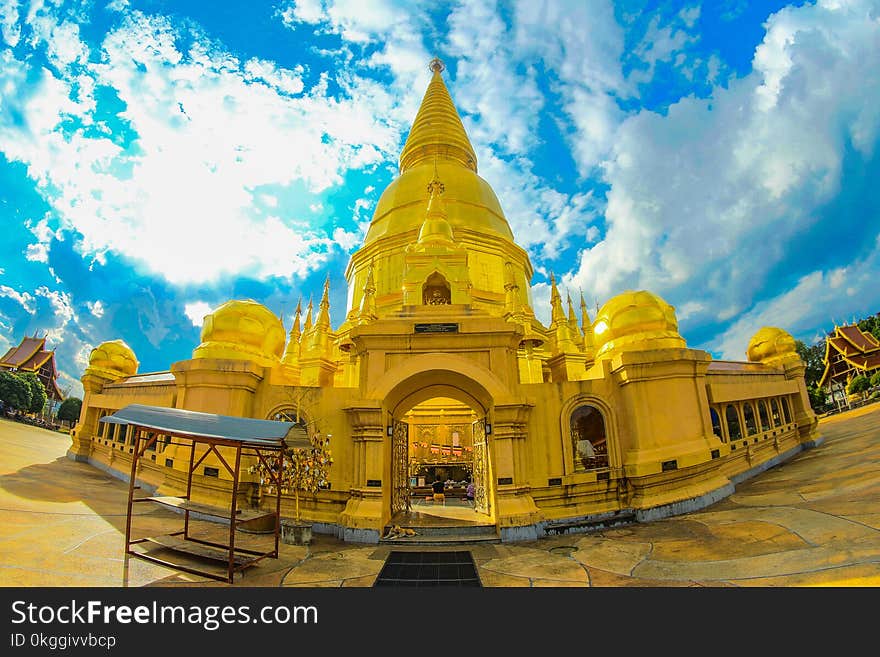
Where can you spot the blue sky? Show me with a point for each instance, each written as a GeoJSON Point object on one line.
{"type": "Point", "coordinates": [158, 158]}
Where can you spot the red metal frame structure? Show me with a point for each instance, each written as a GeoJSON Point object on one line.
{"type": "Point", "coordinates": [267, 439]}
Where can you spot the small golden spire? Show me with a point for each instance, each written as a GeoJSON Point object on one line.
{"type": "Point", "coordinates": [308, 324]}
{"type": "Point", "coordinates": [323, 319]}
{"type": "Point", "coordinates": [436, 65]}
{"type": "Point", "coordinates": [557, 313]}
{"type": "Point", "coordinates": [572, 318]}
{"type": "Point", "coordinates": [368, 301]}
{"type": "Point", "coordinates": [435, 227]}
{"type": "Point", "coordinates": [295, 329]}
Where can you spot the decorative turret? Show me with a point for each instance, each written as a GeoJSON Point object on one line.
{"type": "Point", "coordinates": [292, 352]}
{"type": "Point", "coordinates": [560, 325]}
{"type": "Point", "coordinates": [572, 321]}
{"type": "Point", "coordinates": [317, 363]}
{"type": "Point", "coordinates": [557, 314]}
{"type": "Point", "coordinates": [436, 229]}
{"type": "Point", "coordinates": [772, 346]}
{"type": "Point", "coordinates": [636, 321]}
{"type": "Point", "coordinates": [367, 311]}
{"type": "Point", "coordinates": [112, 360]}
{"type": "Point", "coordinates": [323, 320]}
{"type": "Point", "coordinates": [587, 328]}
{"type": "Point", "coordinates": [319, 342]}
{"type": "Point", "coordinates": [307, 328]}
{"type": "Point", "coordinates": [242, 330]}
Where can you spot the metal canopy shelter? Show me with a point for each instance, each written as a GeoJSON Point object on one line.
{"type": "Point", "coordinates": [267, 439]}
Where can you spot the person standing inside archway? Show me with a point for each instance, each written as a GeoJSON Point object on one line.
{"type": "Point", "coordinates": [438, 487]}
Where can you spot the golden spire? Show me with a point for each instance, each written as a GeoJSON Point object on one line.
{"type": "Point", "coordinates": [437, 130]}
{"type": "Point", "coordinates": [557, 315]}
{"type": "Point", "coordinates": [587, 326]}
{"type": "Point", "coordinates": [295, 331]}
{"type": "Point", "coordinates": [368, 301]}
{"type": "Point", "coordinates": [435, 227]}
{"type": "Point", "coordinates": [323, 320]}
{"type": "Point", "coordinates": [572, 319]}
{"type": "Point", "coordinates": [308, 324]}
{"type": "Point", "coordinates": [294, 347]}
{"type": "Point", "coordinates": [585, 316]}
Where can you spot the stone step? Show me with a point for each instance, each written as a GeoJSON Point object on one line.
{"type": "Point", "coordinates": [442, 534]}
{"type": "Point", "coordinates": [440, 540]}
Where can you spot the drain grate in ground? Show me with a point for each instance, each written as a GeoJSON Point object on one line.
{"type": "Point", "coordinates": [428, 569]}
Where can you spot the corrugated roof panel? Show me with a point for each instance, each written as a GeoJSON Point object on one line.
{"type": "Point", "coordinates": [259, 433]}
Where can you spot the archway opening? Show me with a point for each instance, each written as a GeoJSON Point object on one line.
{"type": "Point", "coordinates": [589, 438]}
{"type": "Point", "coordinates": [440, 468]}
{"type": "Point", "coordinates": [436, 291]}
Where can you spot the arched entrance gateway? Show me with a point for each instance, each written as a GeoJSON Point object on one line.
{"type": "Point", "coordinates": [440, 426]}
{"type": "Point", "coordinates": [440, 439]}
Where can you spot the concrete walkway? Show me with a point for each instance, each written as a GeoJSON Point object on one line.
{"type": "Point", "coordinates": [814, 521]}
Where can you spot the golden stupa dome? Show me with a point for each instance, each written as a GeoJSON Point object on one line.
{"type": "Point", "coordinates": [771, 346]}
{"type": "Point", "coordinates": [438, 146]}
{"type": "Point", "coordinates": [636, 321]}
{"type": "Point", "coordinates": [242, 330]}
{"type": "Point", "coordinates": [113, 359]}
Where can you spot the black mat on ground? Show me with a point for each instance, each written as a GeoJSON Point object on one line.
{"type": "Point", "coordinates": [428, 569]}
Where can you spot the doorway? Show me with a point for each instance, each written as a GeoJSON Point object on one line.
{"type": "Point", "coordinates": [440, 444]}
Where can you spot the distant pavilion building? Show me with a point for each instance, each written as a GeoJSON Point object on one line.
{"type": "Point", "coordinates": [849, 352]}
{"type": "Point", "coordinates": [31, 355]}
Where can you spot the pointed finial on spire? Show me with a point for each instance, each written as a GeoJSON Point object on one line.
{"type": "Point", "coordinates": [308, 323]}
{"type": "Point", "coordinates": [323, 319]}
{"type": "Point", "coordinates": [585, 316]}
{"type": "Point", "coordinates": [295, 329]}
{"type": "Point", "coordinates": [557, 312]}
{"type": "Point", "coordinates": [436, 65]}
{"type": "Point", "coordinates": [572, 318]}
{"type": "Point", "coordinates": [435, 227]}
{"type": "Point", "coordinates": [368, 301]}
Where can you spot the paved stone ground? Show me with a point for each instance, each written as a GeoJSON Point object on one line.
{"type": "Point", "coordinates": [814, 521]}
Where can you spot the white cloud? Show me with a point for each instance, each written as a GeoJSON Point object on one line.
{"type": "Point", "coordinates": [196, 311]}
{"type": "Point", "coordinates": [706, 201]}
{"type": "Point", "coordinates": [207, 131]}
{"type": "Point", "coordinates": [60, 302]}
{"type": "Point", "coordinates": [815, 300]}
{"type": "Point", "coordinates": [96, 308]}
{"type": "Point", "coordinates": [10, 30]}
{"type": "Point", "coordinates": [24, 299]}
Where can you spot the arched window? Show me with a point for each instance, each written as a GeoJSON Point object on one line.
{"type": "Point", "coordinates": [588, 439]}
{"type": "Point", "coordinates": [785, 411]}
{"type": "Point", "coordinates": [774, 411]}
{"type": "Point", "coordinates": [762, 414]}
{"type": "Point", "coordinates": [435, 291]}
{"type": "Point", "coordinates": [732, 417]}
{"type": "Point", "coordinates": [716, 423]}
{"type": "Point", "coordinates": [749, 417]}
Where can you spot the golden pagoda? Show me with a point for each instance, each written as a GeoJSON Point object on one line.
{"type": "Point", "coordinates": [441, 371]}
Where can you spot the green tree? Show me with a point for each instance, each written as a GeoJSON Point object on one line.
{"type": "Point", "coordinates": [858, 384]}
{"type": "Point", "coordinates": [875, 380]}
{"type": "Point", "coordinates": [69, 410]}
{"type": "Point", "coordinates": [14, 391]}
{"type": "Point", "coordinates": [38, 396]}
{"type": "Point", "coordinates": [818, 397]}
{"type": "Point", "coordinates": [814, 360]}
